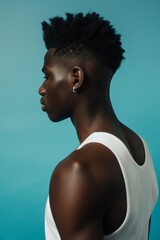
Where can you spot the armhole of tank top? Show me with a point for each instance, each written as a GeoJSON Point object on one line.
{"type": "Point", "coordinates": [145, 147]}
{"type": "Point", "coordinates": [149, 159]}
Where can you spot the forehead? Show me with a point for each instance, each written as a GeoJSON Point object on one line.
{"type": "Point", "coordinates": [49, 56]}
{"type": "Point", "coordinates": [54, 61]}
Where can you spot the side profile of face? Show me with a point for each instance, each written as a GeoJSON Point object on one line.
{"type": "Point", "coordinates": [57, 88]}
{"type": "Point", "coordinates": [62, 74]}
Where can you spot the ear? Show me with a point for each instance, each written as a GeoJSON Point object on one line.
{"type": "Point", "coordinates": [78, 77]}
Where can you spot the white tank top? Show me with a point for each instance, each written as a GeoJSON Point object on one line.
{"type": "Point", "coordinates": [141, 188]}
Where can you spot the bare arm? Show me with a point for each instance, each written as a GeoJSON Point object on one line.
{"type": "Point", "coordinates": [74, 203]}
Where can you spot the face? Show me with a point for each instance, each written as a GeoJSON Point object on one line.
{"type": "Point", "coordinates": [56, 90]}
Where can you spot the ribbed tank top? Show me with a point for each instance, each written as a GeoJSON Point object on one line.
{"type": "Point", "coordinates": [141, 188]}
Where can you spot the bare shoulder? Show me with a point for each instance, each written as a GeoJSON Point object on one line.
{"type": "Point", "coordinates": [74, 201]}
{"type": "Point", "coordinates": [88, 163]}
{"type": "Point", "coordinates": [71, 169]}
{"type": "Point", "coordinates": [77, 193]}
{"type": "Point", "coordinates": [89, 171]}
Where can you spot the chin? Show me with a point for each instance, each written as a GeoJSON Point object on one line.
{"type": "Point", "coordinates": [57, 118]}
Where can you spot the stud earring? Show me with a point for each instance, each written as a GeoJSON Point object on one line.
{"type": "Point", "coordinates": [74, 89]}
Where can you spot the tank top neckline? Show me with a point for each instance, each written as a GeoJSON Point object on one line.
{"type": "Point", "coordinates": [120, 142]}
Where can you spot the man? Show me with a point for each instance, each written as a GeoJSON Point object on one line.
{"type": "Point", "coordinates": [106, 188]}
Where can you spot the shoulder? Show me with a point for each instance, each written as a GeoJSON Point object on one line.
{"type": "Point", "coordinates": [69, 173]}
{"type": "Point", "coordinates": [82, 161]}
{"type": "Point", "coordinates": [73, 173]}
{"type": "Point", "coordinates": [75, 205]}
{"type": "Point", "coordinates": [77, 196]}
{"type": "Point", "coordinates": [90, 169]}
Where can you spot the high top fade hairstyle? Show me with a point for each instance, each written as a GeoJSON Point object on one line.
{"type": "Point", "coordinates": [81, 35]}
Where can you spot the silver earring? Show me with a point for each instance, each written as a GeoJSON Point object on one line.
{"type": "Point", "coordinates": [74, 89]}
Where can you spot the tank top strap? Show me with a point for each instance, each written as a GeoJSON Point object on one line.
{"type": "Point", "coordinates": [107, 139]}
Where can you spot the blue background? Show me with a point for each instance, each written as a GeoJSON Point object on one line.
{"type": "Point", "coordinates": [31, 145]}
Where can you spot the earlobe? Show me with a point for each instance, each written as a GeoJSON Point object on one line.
{"type": "Point", "coordinates": [78, 78]}
{"type": "Point", "coordinates": [74, 89]}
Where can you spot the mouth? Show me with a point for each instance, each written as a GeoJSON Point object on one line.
{"type": "Point", "coordinates": [43, 104]}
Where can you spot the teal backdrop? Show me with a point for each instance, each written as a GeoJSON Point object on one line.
{"type": "Point", "coordinates": [30, 144]}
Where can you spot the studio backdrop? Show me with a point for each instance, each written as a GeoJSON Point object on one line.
{"type": "Point", "coordinates": [30, 144]}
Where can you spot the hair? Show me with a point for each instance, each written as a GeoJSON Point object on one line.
{"type": "Point", "coordinates": [83, 35]}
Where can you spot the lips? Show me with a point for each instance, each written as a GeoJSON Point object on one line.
{"type": "Point", "coordinates": [43, 104]}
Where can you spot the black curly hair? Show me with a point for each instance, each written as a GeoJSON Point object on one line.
{"type": "Point", "coordinates": [83, 35]}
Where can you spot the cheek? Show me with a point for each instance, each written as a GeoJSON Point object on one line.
{"type": "Point", "coordinates": [59, 102]}
{"type": "Point", "coordinates": [58, 93]}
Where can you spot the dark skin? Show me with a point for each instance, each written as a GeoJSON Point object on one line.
{"type": "Point", "coordinates": [87, 190]}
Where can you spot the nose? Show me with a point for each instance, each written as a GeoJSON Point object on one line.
{"type": "Point", "coordinates": [42, 90]}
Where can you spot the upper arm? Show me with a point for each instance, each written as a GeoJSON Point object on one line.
{"type": "Point", "coordinates": [74, 203]}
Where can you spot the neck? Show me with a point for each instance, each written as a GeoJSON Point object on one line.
{"type": "Point", "coordinates": [94, 117]}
